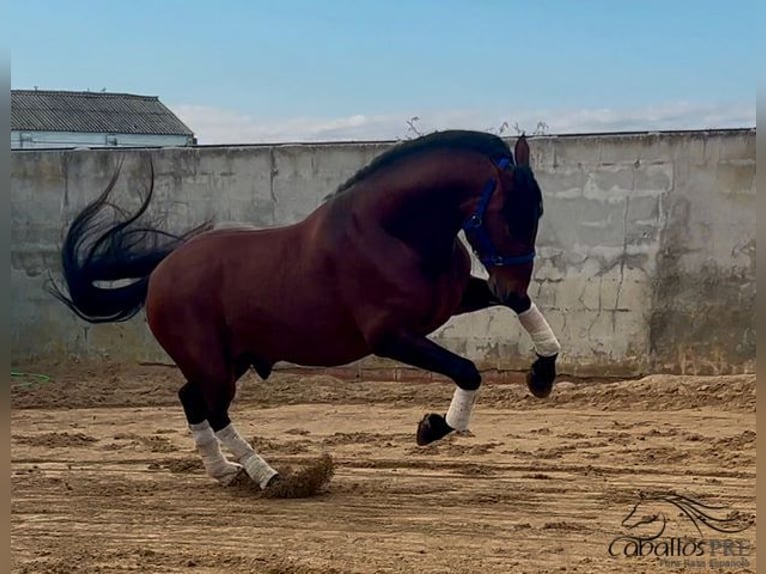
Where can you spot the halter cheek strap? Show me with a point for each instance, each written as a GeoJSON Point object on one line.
{"type": "Point", "coordinates": [478, 235]}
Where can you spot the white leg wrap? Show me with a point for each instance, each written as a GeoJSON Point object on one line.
{"type": "Point", "coordinates": [259, 470]}
{"type": "Point", "coordinates": [232, 440]}
{"type": "Point", "coordinates": [209, 450]}
{"type": "Point", "coordinates": [546, 344]}
{"type": "Point", "coordinates": [459, 412]}
{"type": "Point", "coordinates": [255, 466]}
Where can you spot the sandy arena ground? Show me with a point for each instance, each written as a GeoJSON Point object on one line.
{"type": "Point", "coordinates": [105, 478]}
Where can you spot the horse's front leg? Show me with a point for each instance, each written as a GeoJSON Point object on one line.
{"type": "Point", "coordinates": [421, 352]}
{"type": "Point", "coordinates": [476, 297]}
{"type": "Point", "coordinates": [541, 376]}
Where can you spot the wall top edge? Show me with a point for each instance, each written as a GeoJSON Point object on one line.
{"type": "Point", "coordinates": [615, 135]}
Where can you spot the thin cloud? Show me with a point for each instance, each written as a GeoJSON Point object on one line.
{"type": "Point", "coordinates": [220, 126]}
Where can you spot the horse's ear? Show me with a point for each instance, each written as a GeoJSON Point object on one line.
{"type": "Point", "coordinates": [521, 151]}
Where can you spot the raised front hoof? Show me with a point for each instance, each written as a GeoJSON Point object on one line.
{"type": "Point", "coordinates": [537, 386]}
{"type": "Point", "coordinates": [432, 427]}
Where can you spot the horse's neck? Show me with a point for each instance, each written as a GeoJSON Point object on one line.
{"type": "Point", "coordinates": [426, 216]}
{"type": "Point", "coordinates": [423, 201]}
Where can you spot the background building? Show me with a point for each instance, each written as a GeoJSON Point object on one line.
{"type": "Point", "coordinates": [64, 119]}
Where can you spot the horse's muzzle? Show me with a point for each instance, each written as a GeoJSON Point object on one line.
{"type": "Point", "coordinates": [509, 286]}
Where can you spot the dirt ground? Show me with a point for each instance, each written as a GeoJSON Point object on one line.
{"type": "Point", "coordinates": [105, 478]}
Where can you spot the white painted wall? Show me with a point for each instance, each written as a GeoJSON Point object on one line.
{"type": "Point", "coordinates": [45, 139]}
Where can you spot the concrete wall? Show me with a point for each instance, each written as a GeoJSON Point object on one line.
{"type": "Point", "coordinates": [646, 251]}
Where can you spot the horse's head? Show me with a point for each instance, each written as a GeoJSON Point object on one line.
{"type": "Point", "coordinates": [503, 227]}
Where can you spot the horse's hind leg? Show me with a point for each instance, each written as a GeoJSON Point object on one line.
{"type": "Point", "coordinates": [212, 377]}
{"type": "Point", "coordinates": [215, 462]}
{"type": "Point", "coordinates": [256, 467]}
{"type": "Point", "coordinates": [218, 398]}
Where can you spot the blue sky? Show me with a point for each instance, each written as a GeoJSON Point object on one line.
{"type": "Point", "coordinates": [242, 71]}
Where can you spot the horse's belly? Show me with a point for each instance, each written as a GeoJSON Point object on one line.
{"type": "Point", "coordinates": [303, 338]}
{"type": "Point", "coordinates": [327, 350]}
{"type": "Point", "coordinates": [325, 353]}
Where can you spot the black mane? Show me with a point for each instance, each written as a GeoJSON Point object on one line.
{"type": "Point", "coordinates": [465, 140]}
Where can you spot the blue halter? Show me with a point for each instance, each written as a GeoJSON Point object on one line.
{"type": "Point", "coordinates": [478, 236]}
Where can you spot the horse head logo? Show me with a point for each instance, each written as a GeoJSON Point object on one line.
{"type": "Point", "coordinates": [654, 511]}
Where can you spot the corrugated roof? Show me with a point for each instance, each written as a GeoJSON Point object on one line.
{"type": "Point", "coordinates": [61, 111]}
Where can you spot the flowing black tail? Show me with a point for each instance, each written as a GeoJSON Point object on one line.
{"type": "Point", "coordinates": [98, 249]}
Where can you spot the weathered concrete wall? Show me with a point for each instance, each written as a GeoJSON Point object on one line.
{"type": "Point", "coordinates": [646, 251]}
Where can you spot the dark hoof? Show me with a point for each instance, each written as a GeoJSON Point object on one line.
{"type": "Point", "coordinates": [538, 386]}
{"type": "Point", "coordinates": [541, 376]}
{"type": "Point", "coordinates": [274, 481]}
{"type": "Point", "coordinates": [432, 427]}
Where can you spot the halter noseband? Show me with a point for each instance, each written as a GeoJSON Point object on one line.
{"type": "Point", "coordinates": [477, 234]}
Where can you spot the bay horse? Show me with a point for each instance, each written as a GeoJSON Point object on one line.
{"type": "Point", "coordinates": [373, 270]}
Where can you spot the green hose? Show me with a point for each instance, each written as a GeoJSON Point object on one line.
{"type": "Point", "coordinates": [38, 379]}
